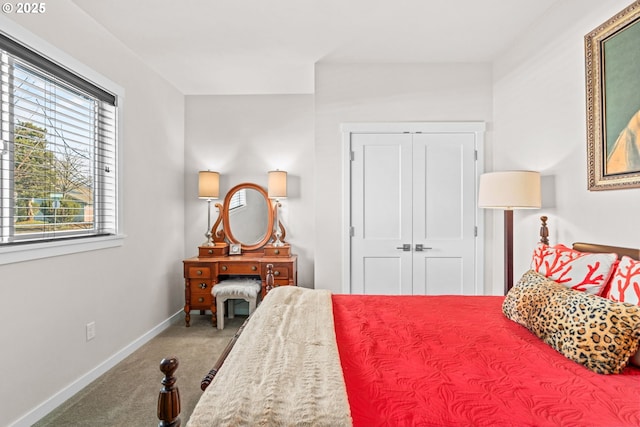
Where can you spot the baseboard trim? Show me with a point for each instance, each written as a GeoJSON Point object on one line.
{"type": "Point", "coordinates": [63, 395]}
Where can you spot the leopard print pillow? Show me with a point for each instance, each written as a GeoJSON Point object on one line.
{"type": "Point", "coordinates": [598, 333]}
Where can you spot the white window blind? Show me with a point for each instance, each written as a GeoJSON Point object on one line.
{"type": "Point", "coordinates": [57, 151]}
{"type": "Point", "coordinates": [238, 200]}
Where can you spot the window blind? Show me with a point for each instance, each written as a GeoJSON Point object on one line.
{"type": "Point", "coordinates": [58, 151]}
{"type": "Point", "coordinates": [238, 200]}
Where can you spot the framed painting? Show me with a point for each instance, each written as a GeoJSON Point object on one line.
{"type": "Point", "coordinates": [612, 59]}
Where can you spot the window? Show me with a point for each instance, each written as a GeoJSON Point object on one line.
{"type": "Point", "coordinates": [58, 177]}
{"type": "Point", "coordinates": [238, 200]}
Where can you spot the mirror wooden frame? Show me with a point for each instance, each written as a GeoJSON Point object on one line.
{"type": "Point", "coordinates": [224, 234]}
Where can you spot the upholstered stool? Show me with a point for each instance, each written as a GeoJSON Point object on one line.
{"type": "Point", "coordinates": [246, 289]}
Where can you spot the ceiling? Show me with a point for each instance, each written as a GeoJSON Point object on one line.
{"type": "Point", "coordinates": [271, 46]}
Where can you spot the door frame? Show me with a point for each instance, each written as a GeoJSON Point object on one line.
{"type": "Point", "coordinates": [346, 129]}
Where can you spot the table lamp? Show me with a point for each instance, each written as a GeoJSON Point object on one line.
{"type": "Point", "coordinates": [277, 189]}
{"type": "Point", "coordinates": [209, 189]}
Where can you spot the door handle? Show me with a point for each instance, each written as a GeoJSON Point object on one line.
{"type": "Point", "coordinates": [405, 247]}
{"type": "Point", "coordinates": [420, 247]}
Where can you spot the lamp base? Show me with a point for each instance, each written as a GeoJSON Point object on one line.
{"type": "Point", "coordinates": [278, 242]}
{"type": "Point", "coordinates": [208, 234]}
{"type": "Point", "coordinates": [209, 241]}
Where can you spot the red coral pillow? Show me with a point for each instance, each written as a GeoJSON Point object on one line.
{"type": "Point", "coordinates": [581, 271]}
{"type": "Point", "coordinates": [625, 284]}
{"type": "Point", "coordinates": [625, 287]}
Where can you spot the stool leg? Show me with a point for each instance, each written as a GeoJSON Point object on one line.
{"type": "Point", "coordinates": [231, 309]}
{"type": "Point", "coordinates": [220, 312]}
{"type": "Point", "coordinates": [252, 304]}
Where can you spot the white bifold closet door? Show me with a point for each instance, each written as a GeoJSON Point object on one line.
{"type": "Point", "coordinates": [413, 213]}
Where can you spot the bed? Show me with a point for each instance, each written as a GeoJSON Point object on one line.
{"type": "Point", "coordinates": [308, 357]}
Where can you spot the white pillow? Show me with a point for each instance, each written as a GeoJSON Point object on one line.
{"type": "Point", "coordinates": [581, 271]}
{"type": "Point", "coordinates": [625, 284]}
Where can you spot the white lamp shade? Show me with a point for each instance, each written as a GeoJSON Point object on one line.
{"type": "Point", "coordinates": [277, 185]}
{"type": "Point", "coordinates": [208, 185]}
{"type": "Point", "coordinates": [510, 190]}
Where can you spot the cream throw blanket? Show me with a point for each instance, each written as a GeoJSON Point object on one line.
{"type": "Point", "coordinates": [284, 370]}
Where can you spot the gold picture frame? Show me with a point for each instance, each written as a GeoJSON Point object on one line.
{"type": "Point", "coordinates": [613, 101]}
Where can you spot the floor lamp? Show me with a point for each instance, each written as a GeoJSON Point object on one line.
{"type": "Point", "coordinates": [509, 190]}
{"type": "Point", "coordinates": [209, 189]}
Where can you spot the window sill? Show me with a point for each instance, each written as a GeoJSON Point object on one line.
{"type": "Point", "coordinates": [29, 252]}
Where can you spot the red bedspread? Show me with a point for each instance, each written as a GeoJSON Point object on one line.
{"type": "Point", "coordinates": [457, 361]}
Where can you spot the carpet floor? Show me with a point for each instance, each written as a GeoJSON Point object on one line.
{"type": "Point", "coordinates": [127, 395]}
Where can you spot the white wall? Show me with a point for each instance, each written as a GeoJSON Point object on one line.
{"type": "Point", "coordinates": [128, 290]}
{"type": "Point", "coordinates": [380, 93]}
{"type": "Point", "coordinates": [243, 137]}
{"type": "Point", "coordinates": [540, 124]}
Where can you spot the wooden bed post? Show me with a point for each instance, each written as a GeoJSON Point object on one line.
{"type": "Point", "coordinates": [544, 230]}
{"type": "Point", "coordinates": [169, 398]}
{"type": "Point", "coordinates": [270, 279]}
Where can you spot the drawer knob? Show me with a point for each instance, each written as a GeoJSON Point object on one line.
{"type": "Point", "coordinates": [224, 268]}
{"type": "Point", "coordinates": [210, 251]}
{"type": "Point", "coordinates": [276, 273]}
{"type": "Point", "coordinates": [202, 286]}
{"type": "Point", "coordinates": [254, 268]}
{"type": "Point", "coordinates": [277, 251]}
{"type": "Point", "coordinates": [201, 299]}
{"type": "Point", "coordinates": [199, 272]}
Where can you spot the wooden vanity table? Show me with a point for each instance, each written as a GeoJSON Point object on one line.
{"type": "Point", "coordinates": [214, 263]}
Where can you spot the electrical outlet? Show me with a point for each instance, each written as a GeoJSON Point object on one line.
{"type": "Point", "coordinates": [91, 330]}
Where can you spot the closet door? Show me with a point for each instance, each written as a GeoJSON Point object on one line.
{"type": "Point", "coordinates": [444, 214]}
{"type": "Point", "coordinates": [381, 214]}
{"type": "Point", "coordinates": [413, 213]}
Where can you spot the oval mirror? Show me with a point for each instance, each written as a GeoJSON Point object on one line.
{"type": "Point", "coordinates": [247, 216]}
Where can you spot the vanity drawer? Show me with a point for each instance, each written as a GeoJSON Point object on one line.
{"type": "Point", "coordinates": [280, 272]}
{"type": "Point", "coordinates": [277, 250]}
{"type": "Point", "coordinates": [199, 272]}
{"type": "Point", "coordinates": [284, 282]}
{"type": "Point", "coordinates": [211, 251]}
{"type": "Point", "coordinates": [200, 285]}
{"type": "Point", "coordinates": [201, 299]}
{"type": "Point", "coordinates": [252, 268]}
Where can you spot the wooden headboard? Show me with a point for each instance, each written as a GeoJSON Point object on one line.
{"type": "Point", "coordinates": [591, 247]}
